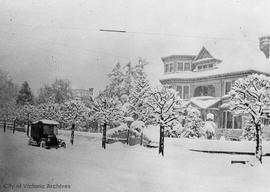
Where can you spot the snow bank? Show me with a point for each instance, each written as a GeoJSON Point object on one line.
{"type": "Point", "coordinates": [117, 131]}
{"type": "Point", "coordinates": [152, 132]}
{"type": "Point", "coordinates": [85, 166]}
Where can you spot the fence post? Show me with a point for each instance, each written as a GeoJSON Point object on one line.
{"type": "Point", "coordinates": [5, 125]}
{"type": "Point", "coordinates": [14, 126]}
{"type": "Point", "coordinates": [72, 133]}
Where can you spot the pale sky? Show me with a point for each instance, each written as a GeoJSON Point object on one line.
{"type": "Point", "coordinates": [44, 39]}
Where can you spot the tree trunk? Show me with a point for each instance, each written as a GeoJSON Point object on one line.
{"type": "Point", "coordinates": [28, 125]}
{"type": "Point", "coordinates": [5, 125]}
{"type": "Point", "coordinates": [104, 136]}
{"type": "Point", "coordinates": [141, 138]}
{"type": "Point", "coordinates": [72, 133]}
{"type": "Point", "coordinates": [127, 136]}
{"type": "Point", "coordinates": [14, 126]}
{"type": "Point", "coordinates": [258, 152]}
{"type": "Point", "coordinates": [161, 140]}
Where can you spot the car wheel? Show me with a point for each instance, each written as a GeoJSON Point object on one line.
{"type": "Point", "coordinates": [42, 144]}
{"type": "Point", "coordinates": [63, 145]}
{"type": "Point", "coordinates": [29, 141]}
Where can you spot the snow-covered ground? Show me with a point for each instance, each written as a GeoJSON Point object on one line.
{"type": "Point", "coordinates": [85, 166]}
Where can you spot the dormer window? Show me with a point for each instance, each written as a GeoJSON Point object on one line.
{"type": "Point", "coordinates": [180, 66]}
{"type": "Point", "coordinates": [187, 66]}
{"type": "Point", "coordinates": [172, 67]}
{"type": "Point", "coordinates": [205, 66]}
{"type": "Point", "coordinates": [166, 68]}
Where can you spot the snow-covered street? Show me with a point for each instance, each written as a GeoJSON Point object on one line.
{"type": "Point", "coordinates": [85, 166]}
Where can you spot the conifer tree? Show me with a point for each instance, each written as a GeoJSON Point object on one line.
{"type": "Point", "coordinates": [138, 98]}
{"type": "Point", "coordinates": [25, 95]}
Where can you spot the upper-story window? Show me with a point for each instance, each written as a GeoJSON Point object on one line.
{"type": "Point", "coordinates": [228, 86]}
{"type": "Point", "coordinates": [171, 67]}
{"type": "Point", "coordinates": [166, 68]}
{"type": "Point", "coordinates": [205, 66]}
{"type": "Point", "coordinates": [180, 66]}
{"type": "Point", "coordinates": [187, 66]}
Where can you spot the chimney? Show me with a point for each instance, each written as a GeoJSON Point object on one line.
{"type": "Point", "coordinates": [265, 45]}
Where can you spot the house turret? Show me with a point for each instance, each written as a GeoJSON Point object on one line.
{"type": "Point", "coordinates": [265, 45]}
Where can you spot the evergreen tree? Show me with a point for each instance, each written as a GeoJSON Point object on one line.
{"type": "Point", "coordinates": [25, 95]}
{"type": "Point", "coordinates": [128, 79]}
{"type": "Point", "coordinates": [193, 123]}
{"type": "Point", "coordinates": [122, 78]}
{"type": "Point", "coordinates": [138, 98]}
{"type": "Point", "coordinates": [58, 92]}
{"type": "Point", "coordinates": [8, 91]}
{"type": "Point", "coordinates": [116, 78]}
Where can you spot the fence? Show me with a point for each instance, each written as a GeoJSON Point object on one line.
{"type": "Point", "coordinates": [10, 126]}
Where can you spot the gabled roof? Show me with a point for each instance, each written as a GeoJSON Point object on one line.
{"type": "Point", "coordinates": [237, 57]}
{"type": "Point", "coordinates": [204, 53]}
{"type": "Point", "coordinates": [179, 57]}
{"type": "Point", "coordinates": [47, 122]}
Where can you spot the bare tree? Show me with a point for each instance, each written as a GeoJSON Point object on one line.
{"type": "Point", "coordinates": [249, 96]}
{"type": "Point", "coordinates": [106, 109]}
{"type": "Point", "coordinates": [164, 104]}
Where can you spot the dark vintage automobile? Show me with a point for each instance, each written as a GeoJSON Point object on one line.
{"type": "Point", "coordinates": [43, 134]}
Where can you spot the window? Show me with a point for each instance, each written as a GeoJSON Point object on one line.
{"type": "Point", "coordinates": [187, 66]}
{"type": "Point", "coordinates": [228, 86]}
{"type": "Point", "coordinates": [180, 67]}
{"type": "Point", "coordinates": [166, 68]}
{"type": "Point", "coordinates": [224, 119]}
{"type": "Point", "coordinates": [200, 67]}
{"type": "Point", "coordinates": [186, 92]}
{"type": "Point", "coordinates": [205, 67]}
{"type": "Point", "coordinates": [208, 90]}
{"type": "Point", "coordinates": [210, 65]}
{"type": "Point", "coordinates": [171, 67]}
{"type": "Point", "coordinates": [179, 90]}
{"type": "Point", "coordinates": [183, 91]}
{"type": "Point", "coordinates": [231, 122]}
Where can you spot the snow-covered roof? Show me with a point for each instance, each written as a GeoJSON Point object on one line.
{"type": "Point", "coordinates": [234, 56]}
{"type": "Point", "coordinates": [46, 121]}
{"type": "Point", "coordinates": [203, 102]}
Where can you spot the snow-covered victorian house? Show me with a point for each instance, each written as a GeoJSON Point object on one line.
{"type": "Point", "coordinates": [204, 80]}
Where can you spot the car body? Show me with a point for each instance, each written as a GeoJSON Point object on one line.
{"type": "Point", "coordinates": [43, 133]}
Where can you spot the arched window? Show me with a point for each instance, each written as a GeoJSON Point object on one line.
{"type": "Point", "coordinates": [204, 91]}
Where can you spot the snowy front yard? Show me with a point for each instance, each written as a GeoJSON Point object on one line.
{"type": "Point", "coordinates": [85, 166]}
